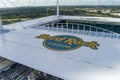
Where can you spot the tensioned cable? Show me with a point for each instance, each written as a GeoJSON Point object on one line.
{"type": "Point", "coordinates": [3, 3]}
{"type": "Point", "coordinates": [12, 3]}
{"type": "Point", "coordinates": [18, 8]}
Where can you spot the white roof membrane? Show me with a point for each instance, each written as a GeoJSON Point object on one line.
{"type": "Point", "coordinates": [20, 45]}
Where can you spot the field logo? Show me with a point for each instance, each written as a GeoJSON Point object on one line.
{"type": "Point", "coordinates": [65, 42]}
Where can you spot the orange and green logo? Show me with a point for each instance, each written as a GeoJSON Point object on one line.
{"type": "Point", "coordinates": [65, 42]}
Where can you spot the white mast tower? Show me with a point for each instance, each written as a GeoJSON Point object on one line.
{"type": "Point", "coordinates": [58, 8]}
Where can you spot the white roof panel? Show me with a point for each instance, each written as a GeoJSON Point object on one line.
{"type": "Point", "coordinates": [104, 20]}
{"type": "Point", "coordinates": [80, 64]}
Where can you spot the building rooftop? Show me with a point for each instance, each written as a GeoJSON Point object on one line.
{"type": "Point", "coordinates": [21, 45]}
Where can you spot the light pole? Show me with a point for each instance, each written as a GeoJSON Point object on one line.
{"type": "Point", "coordinates": [58, 8]}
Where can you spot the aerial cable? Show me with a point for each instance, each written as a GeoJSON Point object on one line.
{"type": "Point", "coordinates": [34, 2]}
{"type": "Point", "coordinates": [12, 3]}
{"type": "Point", "coordinates": [3, 3]}
{"type": "Point", "coordinates": [18, 8]}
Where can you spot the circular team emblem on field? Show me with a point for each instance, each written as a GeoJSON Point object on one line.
{"type": "Point", "coordinates": [65, 42]}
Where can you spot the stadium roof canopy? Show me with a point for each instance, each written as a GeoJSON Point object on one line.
{"type": "Point", "coordinates": [19, 43]}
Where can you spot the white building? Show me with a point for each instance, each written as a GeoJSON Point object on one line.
{"type": "Point", "coordinates": [116, 14]}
